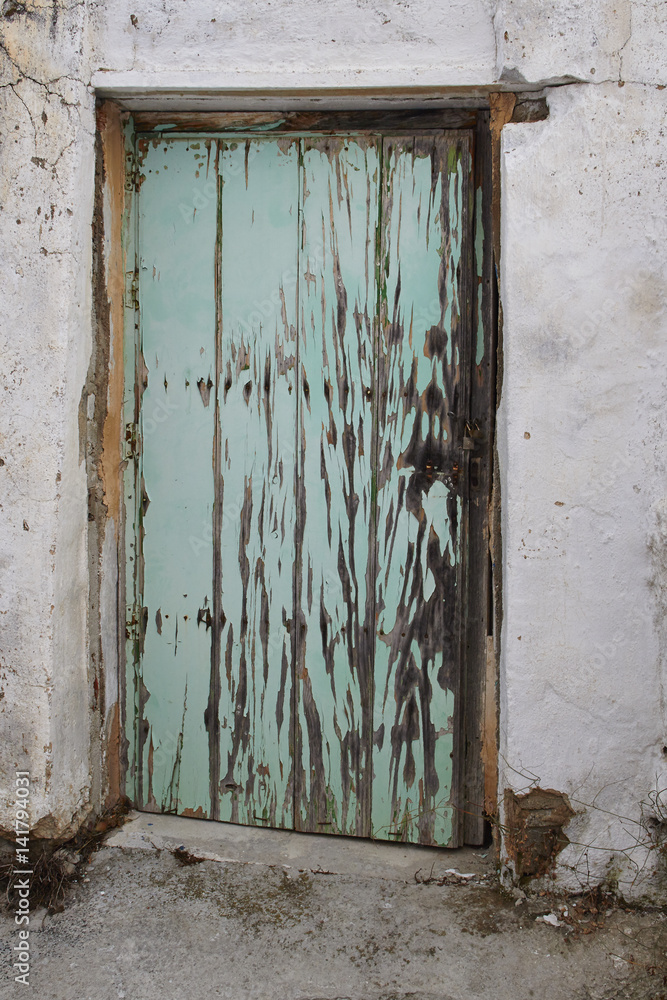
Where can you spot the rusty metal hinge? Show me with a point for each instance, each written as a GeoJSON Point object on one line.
{"type": "Point", "coordinates": [135, 625]}
{"type": "Point", "coordinates": [131, 172]}
{"type": "Point", "coordinates": [131, 291]}
{"type": "Point", "coordinates": [132, 450]}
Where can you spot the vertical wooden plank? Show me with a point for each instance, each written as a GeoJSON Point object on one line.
{"type": "Point", "coordinates": [481, 763]}
{"type": "Point", "coordinates": [335, 593]}
{"type": "Point", "coordinates": [177, 232]}
{"type": "Point", "coordinates": [480, 757]}
{"type": "Point", "coordinates": [257, 404]}
{"type": "Point", "coordinates": [421, 389]}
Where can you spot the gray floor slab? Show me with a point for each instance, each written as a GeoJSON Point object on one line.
{"type": "Point", "coordinates": [294, 918]}
{"type": "Point", "coordinates": [303, 852]}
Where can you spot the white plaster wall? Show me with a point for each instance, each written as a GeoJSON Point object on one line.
{"type": "Point", "coordinates": [595, 41]}
{"type": "Point", "coordinates": [582, 441]}
{"type": "Point", "coordinates": [45, 334]}
{"type": "Point", "coordinates": [273, 43]}
{"type": "Point", "coordinates": [584, 509]}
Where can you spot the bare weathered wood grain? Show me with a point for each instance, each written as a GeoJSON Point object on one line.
{"type": "Point", "coordinates": [479, 750]}
{"type": "Point", "coordinates": [305, 121]}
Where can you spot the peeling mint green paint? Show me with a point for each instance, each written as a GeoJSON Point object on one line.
{"type": "Point", "coordinates": [131, 480]}
{"type": "Point", "coordinates": [337, 306]}
{"type": "Point", "coordinates": [257, 405]}
{"type": "Point", "coordinates": [419, 524]}
{"type": "Point", "coordinates": [299, 440]}
{"type": "Point", "coordinates": [177, 295]}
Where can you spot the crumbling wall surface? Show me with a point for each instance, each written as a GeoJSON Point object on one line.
{"type": "Point", "coordinates": [582, 429]}
{"type": "Point", "coordinates": [46, 185]}
{"type": "Point", "coordinates": [592, 42]}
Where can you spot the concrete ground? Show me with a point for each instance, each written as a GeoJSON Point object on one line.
{"type": "Point", "coordinates": [281, 915]}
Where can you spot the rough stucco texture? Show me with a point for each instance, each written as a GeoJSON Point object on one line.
{"type": "Point", "coordinates": [45, 335]}
{"type": "Point", "coordinates": [302, 41]}
{"type": "Point", "coordinates": [582, 445]}
{"type": "Point", "coordinates": [596, 41]}
{"type": "Point", "coordinates": [583, 498]}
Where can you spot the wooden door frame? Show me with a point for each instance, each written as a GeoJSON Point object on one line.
{"type": "Point", "coordinates": [116, 317]}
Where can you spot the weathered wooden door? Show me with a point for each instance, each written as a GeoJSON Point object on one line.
{"type": "Point", "coordinates": [299, 442]}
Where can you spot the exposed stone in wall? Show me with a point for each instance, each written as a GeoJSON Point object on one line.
{"type": "Point", "coordinates": [535, 823]}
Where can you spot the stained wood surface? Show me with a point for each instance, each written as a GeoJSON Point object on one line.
{"type": "Point", "coordinates": [480, 751]}
{"type": "Point", "coordinates": [340, 121]}
{"type": "Point", "coordinates": [305, 320]}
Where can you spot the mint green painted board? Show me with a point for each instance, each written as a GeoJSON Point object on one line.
{"type": "Point", "coordinates": [257, 407]}
{"type": "Point", "coordinates": [337, 308]}
{"type": "Point", "coordinates": [176, 253]}
{"type": "Point", "coordinates": [419, 515]}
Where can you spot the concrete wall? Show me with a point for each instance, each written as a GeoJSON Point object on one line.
{"type": "Point", "coordinates": [584, 498]}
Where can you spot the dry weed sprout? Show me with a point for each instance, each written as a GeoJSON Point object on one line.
{"type": "Point", "coordinates": [56, 865]}
{"type": "Point", "coordinates": [185, 857]}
